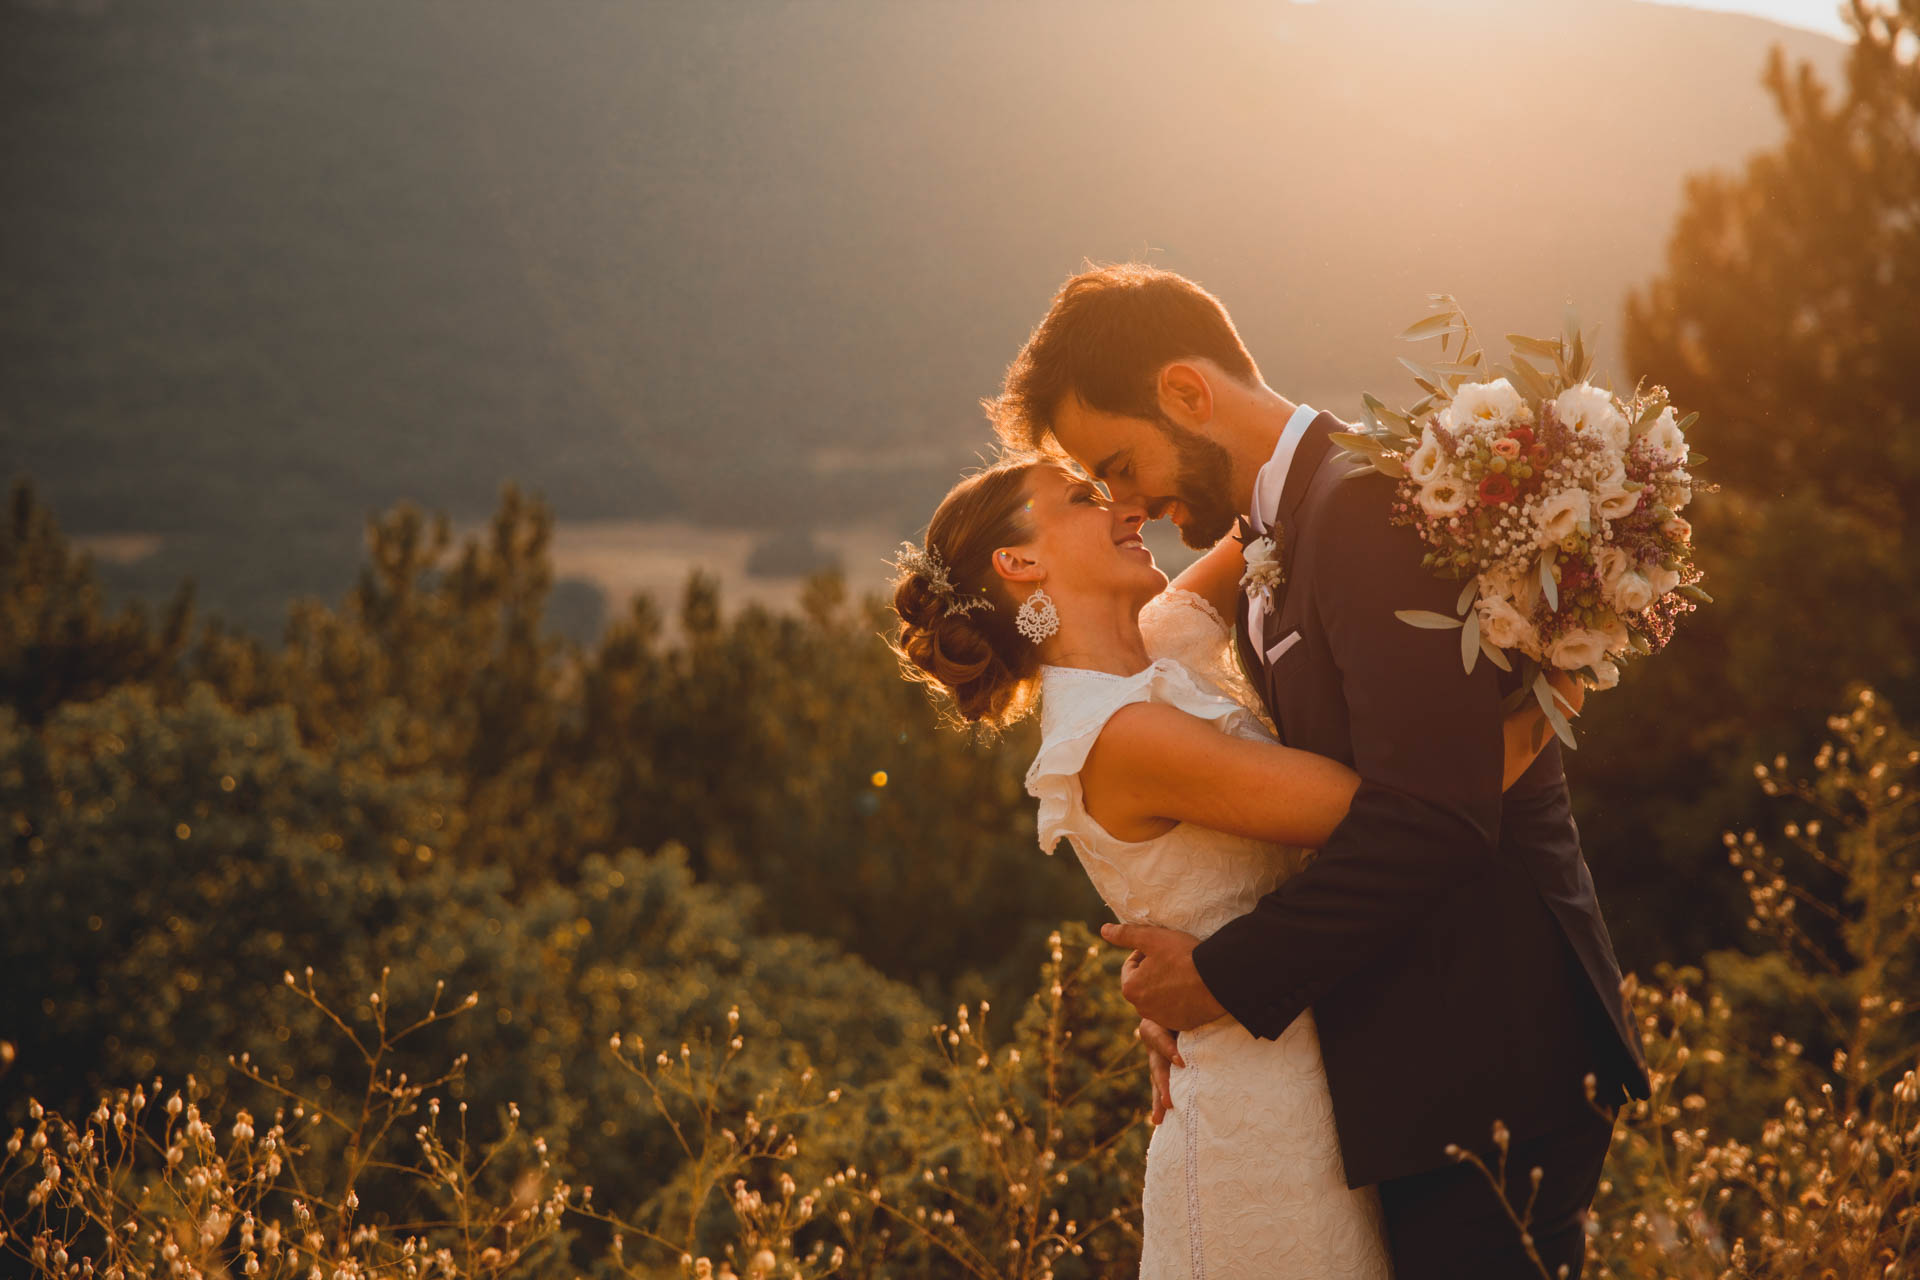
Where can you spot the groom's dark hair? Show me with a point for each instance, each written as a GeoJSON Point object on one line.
{"type": "Point", "coordinates": [1104, 341]}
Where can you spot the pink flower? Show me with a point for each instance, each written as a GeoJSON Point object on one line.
{"type": "Point", "coordinates": [1507, 447]}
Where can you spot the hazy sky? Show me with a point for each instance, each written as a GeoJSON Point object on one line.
{"type": "Point", "coordinates": [1814, 15]}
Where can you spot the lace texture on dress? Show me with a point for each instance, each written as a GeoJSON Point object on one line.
{"type": "Point", "coordinates": [1180, 625]}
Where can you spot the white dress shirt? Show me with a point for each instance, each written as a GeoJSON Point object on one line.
{"type": "Point", "coordinates": [1272, 480]}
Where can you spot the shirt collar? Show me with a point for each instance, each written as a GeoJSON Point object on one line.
{"type": "Point", "coordinates": [1272, 480]}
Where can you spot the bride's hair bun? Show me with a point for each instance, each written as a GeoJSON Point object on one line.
{"type": "Point", "coordinates": [956, 615]}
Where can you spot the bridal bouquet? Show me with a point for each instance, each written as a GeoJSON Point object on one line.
{"type": "Point", "coordinates": [1556, 503]}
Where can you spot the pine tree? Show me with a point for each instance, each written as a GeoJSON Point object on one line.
{"type": "Point", "coordinates": [1785, 315]}
{"type": "Point", "coordinates": [57, 642]}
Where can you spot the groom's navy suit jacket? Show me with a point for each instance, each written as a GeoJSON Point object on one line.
{"type": "Point", "coordinates": [1447, 936]}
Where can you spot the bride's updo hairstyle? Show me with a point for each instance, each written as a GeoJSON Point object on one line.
{"type": "Point", "coordinates": [956, 616]}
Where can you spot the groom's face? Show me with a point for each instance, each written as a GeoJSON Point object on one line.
{"type": "Point", "coordinates": [1158, 465]}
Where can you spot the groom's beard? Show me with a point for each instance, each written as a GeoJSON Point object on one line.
{"type": "Point", "coordinates": [1203, 486]}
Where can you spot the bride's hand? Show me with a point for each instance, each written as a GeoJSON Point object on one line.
{"type": "Point", "coordinates": [1525, 729]}
{"type": "Point", "coordinates": [1571, 689]}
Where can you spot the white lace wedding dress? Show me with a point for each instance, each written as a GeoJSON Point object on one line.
{"type": "Point", "coordinates": [1243, 1178]}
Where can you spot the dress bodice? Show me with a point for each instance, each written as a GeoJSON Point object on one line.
{"type": "Point", "coordinates": [1190, 878]}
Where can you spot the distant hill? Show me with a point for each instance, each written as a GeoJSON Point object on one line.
{"type": "Point", "coordinates": [265, 268]}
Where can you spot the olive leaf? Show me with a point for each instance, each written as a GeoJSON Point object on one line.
{"type": "Point", "coordinates": [1424, 378]}
{"type": "Point", "coordinates": [1543, 693]}
{"type": "Point", "coordinates": [1372, 446]}
{"type": "Point", "coordinates": [1431, 327]}
{"type": "Point", "coordinates": [1531, 381]}
{"type": "Point", "coordinates": [1534, 346]}
{"type": "Point", "coordinates": [1426, 619]}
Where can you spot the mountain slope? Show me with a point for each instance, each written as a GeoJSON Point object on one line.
{"type": "Point", "coordinates": [754, 263]}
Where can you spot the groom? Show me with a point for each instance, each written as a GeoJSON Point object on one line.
{"type": "Point", "coordinates": [1447, 937]}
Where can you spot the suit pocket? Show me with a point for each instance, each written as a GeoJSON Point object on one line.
{"type": "Point", "coordinates": [1279, 647]}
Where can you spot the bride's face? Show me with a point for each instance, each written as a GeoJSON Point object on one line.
{"type": "Point", "coordinates": [1087, 545]}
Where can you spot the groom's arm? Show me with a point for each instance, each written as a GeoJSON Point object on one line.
{"type": "Point", "coordinates": [1429, 748]}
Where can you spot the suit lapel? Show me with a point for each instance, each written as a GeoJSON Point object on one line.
{"type": "Point", "coordinates": [1313, 450]}
{"type": "Point", "coordinates": [1311, 454]}
{"type": "Point", "coordinates": [1314, 446]}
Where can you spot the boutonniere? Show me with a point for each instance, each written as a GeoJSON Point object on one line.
{"type": "Point", "coordinates": [1265, 571]}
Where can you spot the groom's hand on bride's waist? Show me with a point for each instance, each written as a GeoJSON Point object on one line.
{"type": "Point", "coordinates": [1163, 1054]}
{"type": "Point", "coordinates": [1159, 979]}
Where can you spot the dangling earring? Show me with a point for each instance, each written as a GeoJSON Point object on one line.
{"type": "Point", "coordinates": [1037, 618]}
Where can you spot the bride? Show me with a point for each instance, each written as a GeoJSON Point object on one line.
{"type": "Point", "coordinates": [1156, 767]}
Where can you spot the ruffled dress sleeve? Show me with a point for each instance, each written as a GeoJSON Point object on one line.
{"type": "Point", "coordinates": [1075, 707]}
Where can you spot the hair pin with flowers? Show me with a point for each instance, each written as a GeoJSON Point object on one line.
{"type": "Point", "coordinates": [926, 563]}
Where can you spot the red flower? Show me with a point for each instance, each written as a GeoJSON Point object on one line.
{"type": "Point", "coordinates": [1496, 488]}
{"type": "Point", "coordinates": [1523, 434]}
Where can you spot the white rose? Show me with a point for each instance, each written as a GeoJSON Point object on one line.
{"type": "Point", "coordinates": [1617, 502]}
{"type": "Point", "coordinates": [1263, 569]}
{"type": "Point", "coordinates": [1619, 639]}
{"type": "Point", "coordinates": [1520, 586]}
{"type": "Point", "coordinates": [1632, 593]}
{"type": "Point", "coordinates": [1662, 580]}
{"type": "Point", "coordinates": [1664, 435]}
{"type": "Point", "coordinates": [1678, 490]}
{"type": "Point", "coordinates": [1443, 496]}
{"type": "Point", "coordinates": [1502, 624]}
{"type": "Point", "coordinates": [1578, 648]}
{"type": "Point", "coordinates": [1425, 463]}
{"type": "Point", "coordinates": [1561, 514]}
{"type": "Point", "coordinates": [1485, 405]}
{"type": "Point", "coordinates": [1586, 408]}
{"type": "Point", "coordinates": [1611, 472]}
{"type": "Point", "coordinates": [1610, 492]}
{"type": "Point", "coordinates": [1608, 564]}
{"type": "Point", "coordinates": [1606, 675]}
